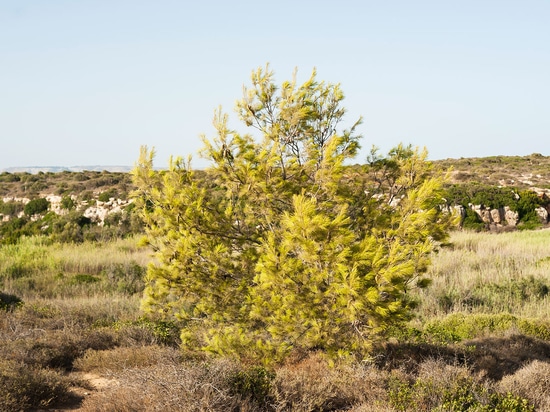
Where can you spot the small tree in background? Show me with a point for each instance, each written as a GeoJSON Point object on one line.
{"type": "Point", "coordinates": [279, 246]}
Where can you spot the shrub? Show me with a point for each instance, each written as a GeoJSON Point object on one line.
{"type": "Point", "coordinates": [107, 195]}
{"type": "Point", "coordinates": [443, 387]}
{"type": "Point", "coordinates": [531, 382]}
{"type": "Point", "coordinates": [9, 302]}
{"type": "Point", "coordinates": [252, 383]}
{"type": "Point", "coordinates": [67, 203]}
{"type": "Point", "coordinates": [36, 206]}
{"type": "Point", "coordinates": [10, 208]}
{"type": "Point", "coordinates": [24, 388]}
{"type": "Point", "coordinates": [280, 246]}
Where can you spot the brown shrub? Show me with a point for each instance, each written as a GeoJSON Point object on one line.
{"type": "Point", "coordinates": [531, 382]}
{"type": "Point", "coordinates": [22, 387]}
{"type": "Point", "coordinates": [171, 388]}
{"type": "Point", "coordinates": [314, 385]}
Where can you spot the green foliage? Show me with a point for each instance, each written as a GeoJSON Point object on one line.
{"type": "Point", "coordinates": [107, 195]}
{"type": "Point", "coordinates": [67, 203]}
{"type": "Point", "coordinates": [128, 278]}
{"type": "Point", "coordinates": [83, 278]}
{"type": "Point", "coordinates": [489, 196]}
{"type": "Point", "coordinates": [461, 326]}
{"type": "Point", "coordinates": [494, 197]}
{"type": "Point", "coordinates": [163, 332]}
{"type": "Point", "coordinates": [472, 221]}
{"type": "Point", "coordinates": [9, 177]}
{"type": "Point", "coordinates": [10, 208]}
{"type": "Point", "coordinates": [527, 203]}
{"type": "Point", "coordinates": [278, 246]}
{"type": "Point", "coordinates": [36, 206]}
{"type": "Point", "coordinates": [461, 394]}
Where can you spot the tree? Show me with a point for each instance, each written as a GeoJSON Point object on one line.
{"type": "Point", "coordinates": [279, 245]}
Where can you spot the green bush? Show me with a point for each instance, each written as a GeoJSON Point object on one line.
{"type": "Point", "coordinates": [36, 206]}
{"type": "Point", "coordinates": [67, 203]}
{"type": "Point", "coordinates": [9, 177]}
{"type": "Point", "coordinates": [10, 208]}
{"type": "Point", "coordinates": [461, 326]}
{"type": "Point", "coordinates": [472, 221]}
{"type": "Point", "coordinates": [108, 194]}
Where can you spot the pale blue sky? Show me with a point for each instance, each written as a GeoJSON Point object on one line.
{"type": "Point", "coordinates": [87, 82]}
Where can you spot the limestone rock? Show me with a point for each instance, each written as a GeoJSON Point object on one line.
{"type": "Point", "coordinates": [511, 217]}
{"type": "Point", "coordinates": [542, 214]}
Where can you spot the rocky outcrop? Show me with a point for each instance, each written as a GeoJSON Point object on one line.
{"type": "Point", "coordinates": [542, 214]}
{"type": "Point", "coordinates": [499, 217]}
{"type": "Point", "coordinates": [101, 210]}
{"type": "Point", "coordinates": [511, 217]}
{"type": "Point", "coordinates": [504, 216]}
{"type": "Point", "coordinates": [97, 211]}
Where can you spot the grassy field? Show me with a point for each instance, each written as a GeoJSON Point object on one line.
{"type": "Point", "coordinates": [72, 337]}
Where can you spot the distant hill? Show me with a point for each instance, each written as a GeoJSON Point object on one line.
{"type": "Point", "coordinates": [531, 171]}
{"type": "Point", "coordinates": [483, 186]}
{"type": "Point", "coordinates": [56, 169]}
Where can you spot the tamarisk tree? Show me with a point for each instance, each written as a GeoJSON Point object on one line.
{"type": "Point", "coordinates": [280, 244]}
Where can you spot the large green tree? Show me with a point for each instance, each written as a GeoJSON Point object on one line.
{"type": "Point", "coordinates": [280, 244]}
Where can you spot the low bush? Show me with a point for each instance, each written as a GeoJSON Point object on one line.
{"type": "Point", "coordinates": [532, 382]}
{"type": "Point", "coordinates": [24, 388]}
{"type": "Point", "coordinates": [36, 206]}
{"type": "Point", "coordinates": [9, 302]}
{"type": "Point", "coordinates": [443, 387]}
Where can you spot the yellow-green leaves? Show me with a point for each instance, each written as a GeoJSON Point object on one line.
{"type": "Point", "coordinates": [278, 245]}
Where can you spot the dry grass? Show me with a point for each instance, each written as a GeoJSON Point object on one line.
{"type": "Point", "coordinates": [490, 273]}
{"type": "Point", "coordinates": [315, 385]}
{"type": "Point", "coordinates": [121, 358]}
{"type": "Point", "coordinates": [96, 331]}
{"type": "Point", "coordinates": [170, 387]}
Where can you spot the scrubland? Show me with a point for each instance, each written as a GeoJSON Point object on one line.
{"type": "Point", "coordinates": [72, 337]}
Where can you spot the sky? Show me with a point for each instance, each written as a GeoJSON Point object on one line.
{"type": "Point", "coordinates": [87, 82]}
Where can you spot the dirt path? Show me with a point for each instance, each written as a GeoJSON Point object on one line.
{"type": "Point", "coordinates": [91, 385]}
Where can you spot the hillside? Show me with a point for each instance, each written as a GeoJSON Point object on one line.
{"type": "Point", "coordinates": [85, 184]}
{"type": "Point", "coordinates": [491, 193]}
{"type": "Point", "coordinates": [531, 171]}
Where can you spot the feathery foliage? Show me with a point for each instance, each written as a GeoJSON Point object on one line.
{"type": "Point", "coordinates": [278, 245]}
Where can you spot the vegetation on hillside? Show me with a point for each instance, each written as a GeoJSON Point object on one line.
{"type": "Point", "coordinates": [26, 211]}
